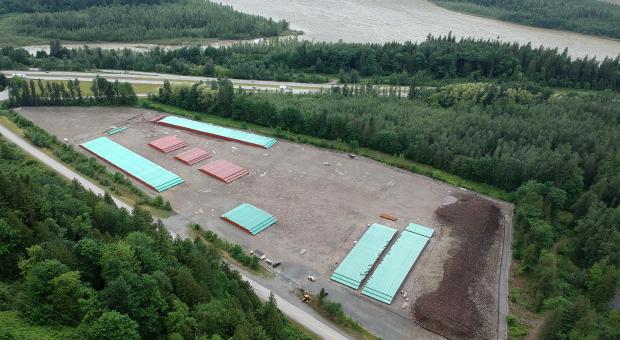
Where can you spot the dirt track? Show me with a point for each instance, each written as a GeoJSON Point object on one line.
{"type": "Point", "coordinates": [460, 307]}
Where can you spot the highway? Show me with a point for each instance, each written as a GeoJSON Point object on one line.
{"type": "Point", "coordinates": [136, 77]}
{"type": "Point", "coordinates": [293, 312]}
{"type": "Point", "coordinates": [159, 78]}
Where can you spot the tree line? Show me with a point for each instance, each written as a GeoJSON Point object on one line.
{"type": "Point", "coordinates": [584, 16]}
{"type": "Point", "coordinates": [23, 92]}
{"type": "Point", "coordinates": [146, 22]}
{"type": "Point", "coordinates": [216, 96]}
{"type": "Point", "coordinates": [484, 132]}
{"type": "Point", "coordinates": [73, 259]}
{"type": "Point", "coordinates": [10, 6]}
{"type": "Point", "coordinates": [554, 152]}
{"type": "Point", "coordinates": [436, 61]}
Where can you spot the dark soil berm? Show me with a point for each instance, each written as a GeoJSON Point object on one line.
{"type": "Point", "coordinates": [463, 307]}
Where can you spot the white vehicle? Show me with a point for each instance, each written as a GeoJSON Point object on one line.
{"type": "Point", "coordinates": [19, 75]}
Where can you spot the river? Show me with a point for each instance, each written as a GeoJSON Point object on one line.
{"type": "Point", "coordinates": [401, 20]}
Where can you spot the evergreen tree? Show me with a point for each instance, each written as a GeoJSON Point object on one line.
{"type": "Point", "coordinates": [225, 97]}
{"type": "Point", "coordinates": [55, 48]}
{"type": "Point", "coordinates": [272, 319]}
{"type": "Point", "coordinates": [78, 89]}
{"type": "Point", "coordinates": [3, 81]}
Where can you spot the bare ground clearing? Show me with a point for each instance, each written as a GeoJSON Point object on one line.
{"type": "Point", "coordinates": [320, 208]}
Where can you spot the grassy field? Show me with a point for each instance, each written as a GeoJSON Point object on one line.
{"type": "Point", "coordinates": [12, 326]}
{"type": "Point", "coordinates": [392, 160]}
{"type": "Point", "coordinates": [85, 87]}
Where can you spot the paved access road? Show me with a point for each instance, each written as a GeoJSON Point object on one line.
{"type": "Point", "coordinates": [290, 310]}
{"type": "Point", "coordinates": [296, 313]}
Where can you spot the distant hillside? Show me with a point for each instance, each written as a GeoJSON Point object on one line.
{"type": "Point", "coordinates": [134, 21]}
{"type": "Point", "coordinates": [9, 6]}
{"type": "Point", "coordinates": [584, 16]}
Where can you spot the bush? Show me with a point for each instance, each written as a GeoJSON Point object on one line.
{"type": "Point", "coordinates": [515, 329]}
{"type": "Point", "coordinates": [158, 201]}
{"type": "Point", "coordinates": [234, 250]}
{"type": "Point", "coordinates": [333, 309]}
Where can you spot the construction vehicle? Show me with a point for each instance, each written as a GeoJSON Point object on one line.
{"type": "Point", "coordinates": [306, 297]}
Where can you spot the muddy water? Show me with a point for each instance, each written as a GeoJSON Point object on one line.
{"type": "Point", "coordinates": [401, 20]}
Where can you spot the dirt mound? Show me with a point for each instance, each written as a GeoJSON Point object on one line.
{"type": "Point", "coordinates": [464, 305]}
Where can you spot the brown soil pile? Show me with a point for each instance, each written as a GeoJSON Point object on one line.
{"type": "Point", "coordinates": [464, 305]}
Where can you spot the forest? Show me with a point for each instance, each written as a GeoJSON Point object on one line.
{"type": "Point", "coordinates": [584, 16]}
{"type": "Point", "coordinates": [436, 61]}
{"type": "Point", "coordinates": [23, 92]}
{"type": "Point", "coordinates": [133, 21]}
{"type": "Point", "coordinates": [73, 259]}
{"type": "Point", "coordinates": [10, 6]}
{"type": "Point", "coordinates": [558, 154]}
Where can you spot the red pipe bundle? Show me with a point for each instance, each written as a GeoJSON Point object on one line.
{"type": "Point", "coordinates": [192, 156]}
{"type": "Point", "coordinates": [225, 171]}
{"type": "Point", "coordinates": [168, 144]}
{"type": "Point", "coordinates": [158, 118]}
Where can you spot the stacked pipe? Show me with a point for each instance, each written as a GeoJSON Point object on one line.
{"type": "Point", "coordinates": [216, 131]}
{"type": "Point", "coordinates": [134, 165]}
{"type": "Point", "coordinates": [249, 218]}
{"type": "Point", "coordinates": [192, 156]}
{"type": "Point", "coordinates": [158, 118]}
{"type": "Point", "coordinates": [224, 171]}
{"type": "Point", "coordinates": [168, 144]}
{"type": "Point", "coordinates": [116, 130]}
